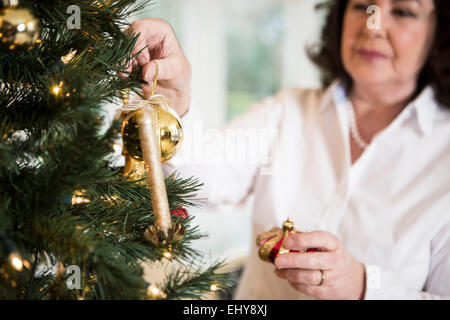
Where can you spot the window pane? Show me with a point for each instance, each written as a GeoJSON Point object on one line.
{"type": "Point", "coordinates": [169, 10]}
{"type": "Point", "coordinates": [254, 41]}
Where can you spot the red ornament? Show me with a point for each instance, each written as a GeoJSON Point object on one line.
{"type": "Point", "coordinates": [180, 213]}
{"type": "Point", "coordinates": [271, 243]}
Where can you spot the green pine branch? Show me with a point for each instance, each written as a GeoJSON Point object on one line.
{"type": "Point", "coordinates": [53, 142]}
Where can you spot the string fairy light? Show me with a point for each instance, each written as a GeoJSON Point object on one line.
{"type": "Point", "coordinates": [78, 197]}
{"type": "Point", "coordinates": [14, 258]}
{"type": "Point", "coordinates": [56, 89]}
{"type": "Point", "coordinates": [167, 254]}
{"type": "Point", "coordinates": [155, 293]}
{"type": "Point", "coordinates": [214, 287]}
{"type": "Point", "coordinates": [16, 261]}
{"type": "Point", "coordinates": [68, 57]}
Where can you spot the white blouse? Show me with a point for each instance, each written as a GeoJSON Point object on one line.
{"type": "Point", "coordinates": [391, 208]}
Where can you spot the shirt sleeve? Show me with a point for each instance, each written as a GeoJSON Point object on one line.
{"type": "Point", "coordinates": [390, 284]}
{"type": "Point", "coordinates": [227, 160]}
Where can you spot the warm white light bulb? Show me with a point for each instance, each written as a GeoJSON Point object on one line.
{"type": "Point", "coordinates": [16, 262]}
{"type": "Point", "coordinates": [66, 59]}
{"type": "Point", "coordinates": [167, 254]}
{"type": "Point", "coordinates": [79, 198]}
{"type": "Point", "coordinates": [155, 293]}
{"type": "Point", "coordinates": [214, 287]}
{"type": "Point", "coordinates": [155, 290]}
{"type": "Point", "coordinates": [56, 90]}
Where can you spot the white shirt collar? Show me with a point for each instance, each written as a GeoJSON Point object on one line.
{"type": "Point", "coordinates": [424, 106]}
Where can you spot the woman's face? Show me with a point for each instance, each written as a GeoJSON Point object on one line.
{"type": "Point", "coordinates": [395, 52]}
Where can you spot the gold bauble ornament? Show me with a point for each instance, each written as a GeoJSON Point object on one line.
{"type": "Point", "coordinates": [133, 168]}
{"type": "Point", "coordinates": [19, 29]}
{"type": "Point", "coordinates": [169, 134]}
{"type": "Point", "coordinates": [8, 3]}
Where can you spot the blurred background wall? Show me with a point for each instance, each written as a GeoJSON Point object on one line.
{"type": "Point", "coordinates": [240, 51]}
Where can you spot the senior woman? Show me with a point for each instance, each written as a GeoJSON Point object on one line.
{"type": "Point", "coordinates": [362, 165]}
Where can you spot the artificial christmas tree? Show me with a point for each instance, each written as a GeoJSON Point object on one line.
{"type": "Point", "coordinates": [65, 211]}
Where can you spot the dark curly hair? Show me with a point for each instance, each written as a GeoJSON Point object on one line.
{"type": "Point", "coordinates": [436, 70]}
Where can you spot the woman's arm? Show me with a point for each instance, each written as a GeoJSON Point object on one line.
{"type": "Point", "coordinates": [228, 160]}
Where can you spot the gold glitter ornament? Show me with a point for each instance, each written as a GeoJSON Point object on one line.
{"type": "Point", "coordinates": [158, 238]}
{"type": "Point", "coordinates": [152, 133]}
{"type": "Point", "coordinates": [19, 29]}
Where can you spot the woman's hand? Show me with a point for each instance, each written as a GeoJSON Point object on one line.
{"type": "Point", "coordinates": [344, 277]}
{"type": "Point", "coordinates": [161, 46]}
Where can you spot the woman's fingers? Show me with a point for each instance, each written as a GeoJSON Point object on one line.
{"type": "Point", "coordinates": [307, 260]}
{"type": "Point", "coordinates": [157, 44]}
{"type": "Point", "coordinates": [301, 276]}
{"type": "Point", "coordinates": [344, 276]}
{"type": "Point", "coordinates": [154, 35]}
{"type": "Point", "coordinates": [168, 68]}
{"type": "Point", "coordinates": [324, 241]}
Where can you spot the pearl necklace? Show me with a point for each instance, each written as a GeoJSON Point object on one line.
{"type": "Point", "coordinates": [353, 127]}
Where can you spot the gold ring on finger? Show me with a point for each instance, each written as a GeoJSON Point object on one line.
{"type": "Point", "coordinates": [322, 277]}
